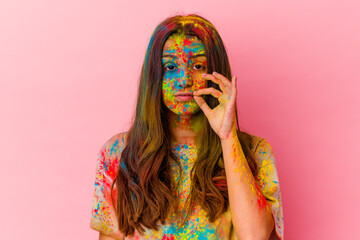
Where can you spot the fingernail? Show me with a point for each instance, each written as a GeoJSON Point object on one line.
{"type": "Point", "coordinates": [215, 73]}
{"type": "Point", "coordinates": [204, 74]}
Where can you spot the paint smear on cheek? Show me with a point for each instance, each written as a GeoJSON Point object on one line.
{"type": "Point", "coordinates": [167, 91]}
{"type": "Point", "coordinates": [200, 83]}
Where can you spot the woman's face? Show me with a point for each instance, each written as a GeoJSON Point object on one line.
{"type": "Point", "coordinates": [183, 61]}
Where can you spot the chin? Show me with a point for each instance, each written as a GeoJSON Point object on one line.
{"type": "Point", "coordinates": [192, 111]}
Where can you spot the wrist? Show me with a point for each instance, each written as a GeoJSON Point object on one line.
{"type": "Point", "coordinates": [231, 135]}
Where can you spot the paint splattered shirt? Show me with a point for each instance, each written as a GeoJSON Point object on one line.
{"type": "Point", "coordinates": [103, 218]}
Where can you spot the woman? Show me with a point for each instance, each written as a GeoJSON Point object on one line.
{"type": "Point", "coordinates": [184, 170]}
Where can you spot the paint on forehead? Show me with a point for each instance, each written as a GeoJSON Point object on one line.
{"type": "Point", "coordinates": [184, 45]}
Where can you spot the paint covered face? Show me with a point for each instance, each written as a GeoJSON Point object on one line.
{"type": "Point", "coordinates": [184, 62]}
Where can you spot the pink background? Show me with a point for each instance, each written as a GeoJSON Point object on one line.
{"type": "Point", "coordinates": [69, 72]}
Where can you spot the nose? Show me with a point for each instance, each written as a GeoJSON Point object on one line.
{"type": "Point", "coordinates": [185, 79]}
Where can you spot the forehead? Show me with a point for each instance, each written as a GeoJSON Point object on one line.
{"type": "Point", "coordinates": [179, 42]}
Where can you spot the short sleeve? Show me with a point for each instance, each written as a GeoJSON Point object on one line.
{"type": "Point", "coordinates": [268, 182]}
{"type": "Point", "coordinates": [103, 216]}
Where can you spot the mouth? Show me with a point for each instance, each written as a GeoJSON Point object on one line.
{"type": "Point", "coordinates": [184, 96]}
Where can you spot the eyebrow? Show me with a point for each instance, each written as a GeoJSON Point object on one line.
{"type": "Point", "coordinates": [193, 56]}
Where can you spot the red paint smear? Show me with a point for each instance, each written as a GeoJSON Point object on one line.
{"type": "Point", "coordinates": [187, 42]}
{"type": "Point", "coordinates": [262, 203]}
{"type": "Point", "coordinates": [165, 237]}
{"type": "Point", "coordinates": [110, 170]}
{"type": "Point", "coordinates": [234, 152]}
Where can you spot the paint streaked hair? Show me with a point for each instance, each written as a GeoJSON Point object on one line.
{"type": "Point", "coordinates": [145, 183]}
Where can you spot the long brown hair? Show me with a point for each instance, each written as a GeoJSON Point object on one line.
{"type": "Point", "coordinates": [144, 182]}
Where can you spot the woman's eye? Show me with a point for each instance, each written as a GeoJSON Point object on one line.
{"type": "Point", "coordinates": [198, 66]}
{"type": "Point", "coordinates": [170, 67]}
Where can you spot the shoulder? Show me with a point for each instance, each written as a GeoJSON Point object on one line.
{"type": "Point", "coordinates": [259, 143]}
{"type": "Point", "coordinates": [262, 151]}
{"type": "Point", "coordinates": [110, 154]}
{"type": "Point", "coordinates": [114, 145]}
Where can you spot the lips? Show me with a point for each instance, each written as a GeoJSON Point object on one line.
{"type": "Point", "coordinates": [188, 96]}
{"type": "Point", "coordinates": [184, 94]}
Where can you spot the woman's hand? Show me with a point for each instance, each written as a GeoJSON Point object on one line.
{"type": "Point", "coordinates": [222, 117]}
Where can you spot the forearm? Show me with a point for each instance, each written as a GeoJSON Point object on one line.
{"type": "Point", "coordinates": [250, 212]}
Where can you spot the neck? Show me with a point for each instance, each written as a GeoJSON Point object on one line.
{"type": "Point", "coordinates": [185, 128]}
